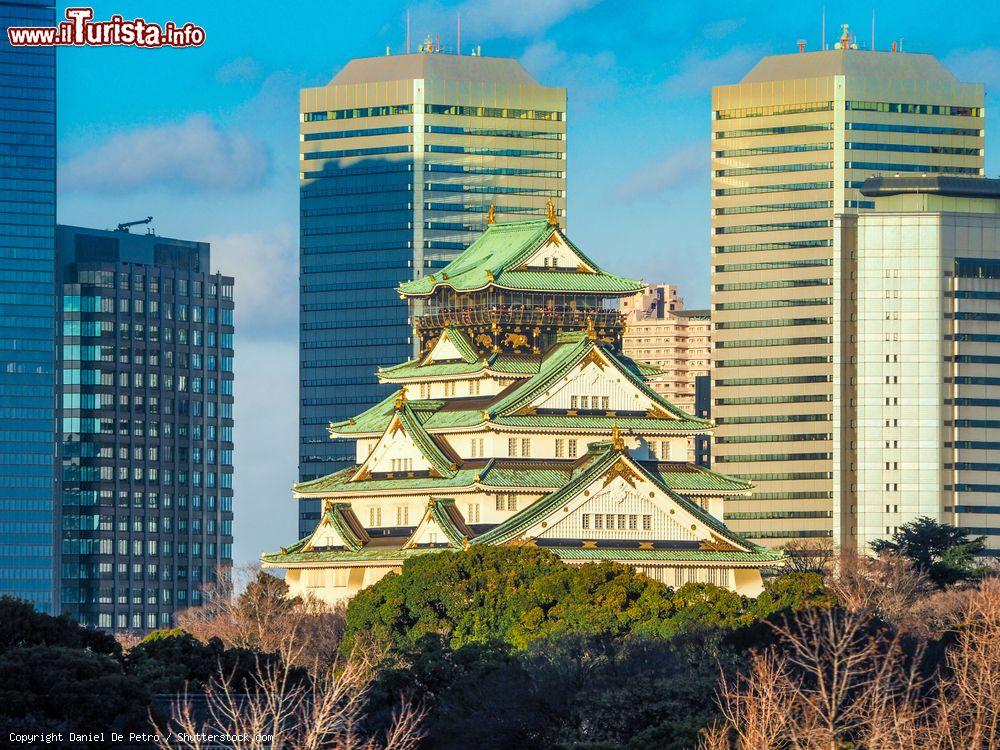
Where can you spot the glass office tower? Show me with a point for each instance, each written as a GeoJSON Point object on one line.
{"type": "Point", "coordinates": [401, 158]}
{"type": "Point", "coordinates": [27, 309]}
{"type": "Point", "coordinates": [792, 144]}
{"type": "Point", "coordinates": [147, 426]}
{"type": "Point", "coordinates": [921, 414]}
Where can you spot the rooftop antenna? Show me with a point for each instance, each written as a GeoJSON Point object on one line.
{"type": "Point", "coordinates": [458, 46]}
{"type": "Point", "coordinates": [407, 31]}
{"type": "Point", "coordinates": [822, 34]}
{"type": "Point", "coordinates": [873, 29]}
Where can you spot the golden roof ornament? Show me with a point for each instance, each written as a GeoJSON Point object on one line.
{"type": "Point", "coordinates": [617, 440]}
{"type": "Point", "coordinates": [491, 215]}
{"type": "Point", "coordinates": [591, 330]}
{"type": "Point", "coordinates": [550, 213]}
{"type": "Point", "coordinates": [401, 398]}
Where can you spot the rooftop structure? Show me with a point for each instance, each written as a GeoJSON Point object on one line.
{"type": "Point", "coordinates": [521, 422]}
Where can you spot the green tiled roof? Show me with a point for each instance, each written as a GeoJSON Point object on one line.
{"type": "Point", "coordinates": [428, 447]}
{"type": "Point", "coordinates": [680, 555]}
{"type": "Point", "coordinates": [450, 521]}
{"type": "Point", "coordinates": [574, 554]}
{"type": "Point", "coordinates": [498, 363]}
{"type": "Point", "coordinates": [692, 478]}
{"type": "Point", "coordinates": [366, 554]}
{"type": "Point", "coordinates": [340, 482]}
{"type": "Point", "coordinates": [354, 538]}
{"type": "Point", "coordinates": [501, 249]}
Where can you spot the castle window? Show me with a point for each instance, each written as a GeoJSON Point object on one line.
{"type": "Point", "coordinates": [402, 515]}
{"type": "Point", "coordinates": [572, 449]}
{"type": "Point", "coordinates": [511, 502]}
{"type": "Point", "coordinates": [526, 447]}
{"type": "Point", "coordinates": [500, 502]}
{"type": "Point", "coordinates": [473, 387]}
{"type": "Point", "coordinates": [647, 523]}
{"type": "Point", "coordinates": [632, 519]}
{"type": "Point", "coordinates": [611, 521]}
{"type": "Point", "coordinates": [605, 402]}
{"type": "Point", "coordinates": [472, 513]}
{"type": "Point", "coordinates": [573, 402]}
{"type": "Point", "coordinates": [512, 447]}
{"type": "Point", "coordinates": [598, 521]}
{"type": "Point", "coordinates": [374, 516]}
{"type": "Point", "coordinates": [560, 445]}
{"type": "Point", "coordinates": [586, 520]}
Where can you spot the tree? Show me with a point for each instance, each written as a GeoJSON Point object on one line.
{"type": "Point", "coordinates": [276, 710]}
{"type": "Point", "coordinates": [21, 625]}
{"type": "Point", "coordinates": [263, 618]}
{"type": "Point", "coordinates": [944, 553]}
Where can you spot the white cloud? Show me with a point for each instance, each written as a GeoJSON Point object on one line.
{"type": "Point", "coordinates": [686, 164]}
{"type": "Point", "coordinates": [240, 70]}
{"type": "Point", "coordinates": [698, 73]}
{"type": "Point", "coordinates": [490, 19]}
{"type": "Point", "coordinates": [266, 267]}
{"type": "Point", "coordinates": [191, 155]}
{"type": "Point", "coordinates": [976, 66]}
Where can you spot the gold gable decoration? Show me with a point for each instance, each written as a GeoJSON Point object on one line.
{"type": "Point", "coordinates": [623, 470]}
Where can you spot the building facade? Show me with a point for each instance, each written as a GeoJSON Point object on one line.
{"type": "Point", "coordinates": [146, 355]}
{"type": "Point", "coordinates": [678, 341]}
{"type": "Point", "coordinates": [919, 416]}
{"type": "Point", "coordinates": [28, 554]}
{"type": "Point", "coordinates": [401, 157]}
{"type": "Point", "coordinates": [521, 422]}
{"type": "Point", "coordinates": [792, 144]}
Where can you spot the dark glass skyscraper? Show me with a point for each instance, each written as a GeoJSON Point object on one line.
{"type": "Point", "coordinates": [27, 309]}
{"type": "Point", "coordinates": [401, 158]}
{"type": "Point", "coordinates": [147, 425]}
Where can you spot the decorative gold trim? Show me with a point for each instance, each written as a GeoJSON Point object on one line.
{"type": "Point", "coordinates": [401, 398]}
{"type": "Point", "coordinates": [591, 330]}
{"type": "Point", "coordinates": [623, 470]}
{"type": "Point", "coordinates": [588, 544]}
{"type": "Point", "coordinates": [716, 545]}
{"type": "Point", "coordinates": [593, 358]}
{"type": "Point", "coordinates": [491, 215]}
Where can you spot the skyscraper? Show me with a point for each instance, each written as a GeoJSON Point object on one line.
{"type": "Point", "coordinates": [792, 144]}
{"type": "Point", "coordinates": [402, 157]}
{"type": "Point", "coordinates": [27, 310]}
{"type": "Point", "coordinates": [919, 413]}
{"type": "Point", "coordinates": [147, 425]}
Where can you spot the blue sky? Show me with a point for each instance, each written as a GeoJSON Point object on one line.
{"type": "Point", "coordinates": [205, 140]}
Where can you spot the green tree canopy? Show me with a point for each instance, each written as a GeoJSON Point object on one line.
{"type": "Point", "coordinates": [523, 595]}
{"type": "Point", "coordinates": [944, 552]}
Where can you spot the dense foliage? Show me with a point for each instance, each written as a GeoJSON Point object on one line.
{"type": "Point", "coordinates": [515, 649]}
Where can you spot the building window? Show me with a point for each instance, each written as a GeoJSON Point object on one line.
{"type": "Point", "coordinates": [374, 517]}
{"type": "Point", "coordinates": [647, 523]}
{"type": "Point", "coordinates": [512, 447]}
{"type": "Point", "coordinates": [526, 447]}
{"type": "Point", "coordinates": [572, 448]}
{"type": "Point", "coordinates": [585, 520]}
{"type": "Point", "coordinates": [560, 447]}
{"type": "Point", "coordinates": [402, 515]}
{"type": "Point", "coordinates": [472, 513]}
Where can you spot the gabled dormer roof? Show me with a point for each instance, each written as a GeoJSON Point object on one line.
{"type": "Point", "coordinates": [453, 345]}
{"type": "Point", "coordinates": [505, 256]}
{"type": "Point", "coordinates": [576, 349]}
{"type": "Point", "coordinates": [338, 528]}
{"type": "Point", "coordinates": [444, 521]}
{"type": "Point", "coordinates": [405, 430]}
{"type": "Point", "coordinates": [607, 463]}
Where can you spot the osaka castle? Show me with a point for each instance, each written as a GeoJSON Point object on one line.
{"type": "Point", "coordinates": [521, 423]}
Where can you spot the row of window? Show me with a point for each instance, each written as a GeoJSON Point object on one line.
{"type": "Point", "coordinates": [800, 206]}
{"type": "Point", "coordinates": [138, 499]}
{"type": "Point", "coordinates": [619, 521]}
{"type": "Point", "coordinates": [779, 284]}
{"type": "Point", "coordinates": [759, 304]}
{"type": "Point", "coordinates": [762, 246]}
{"type": "Point", "coordinates": [754, 343]}
{"type": "Point", "coordinates": [433, 109]}
{"type": "Point", "coordinates": [778, 438]}
{"type": "Point", "coordinates": [774, 265]}
{"type": "Point", "coordinates": [777, 380]}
